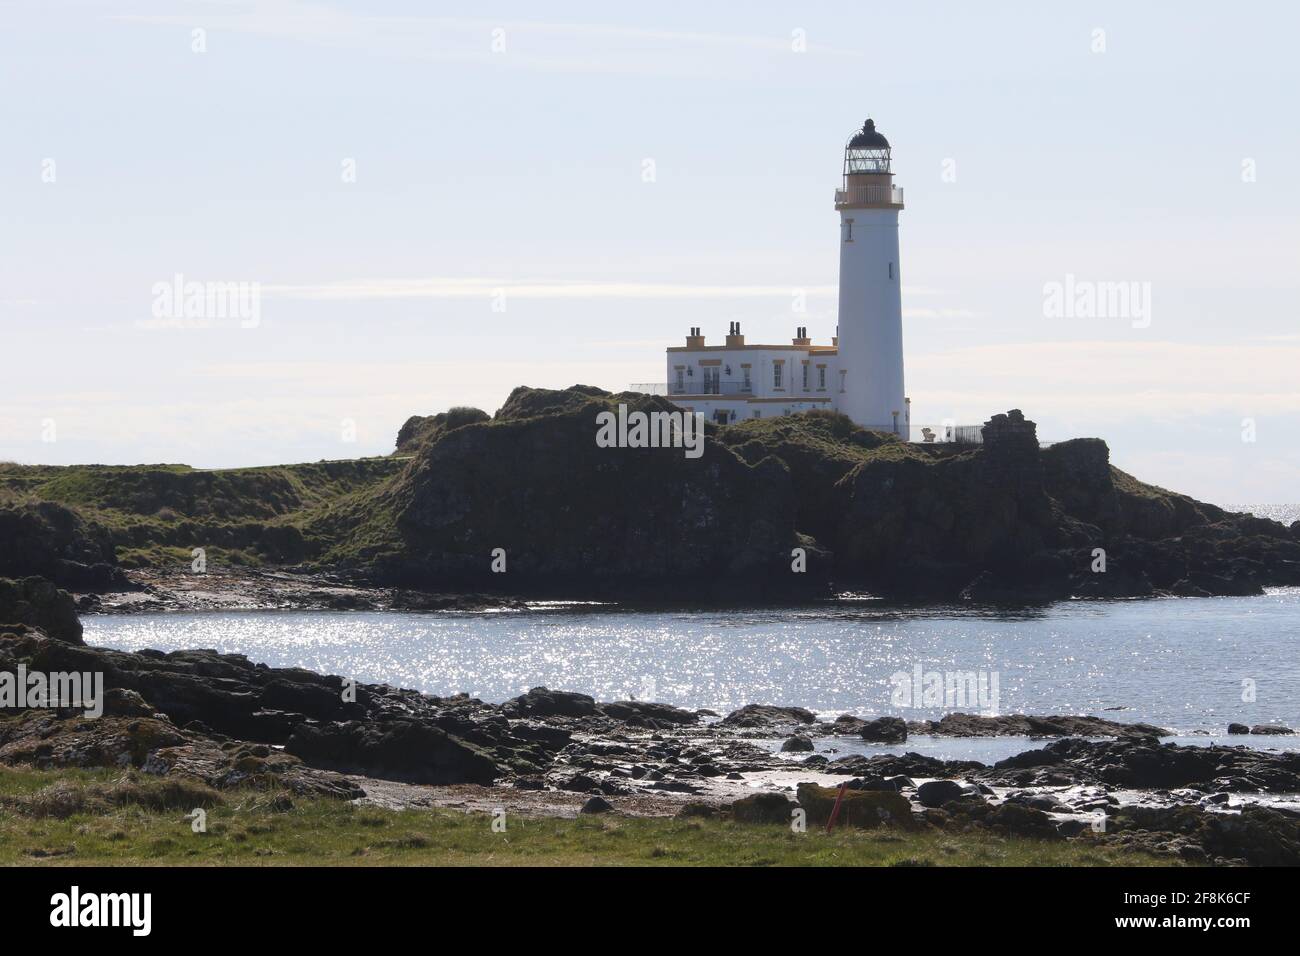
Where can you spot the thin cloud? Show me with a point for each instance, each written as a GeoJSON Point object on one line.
{"type": "Point", "coordinates": [460, 288]}
{"type": "Point", "coordinates": [528, 44]}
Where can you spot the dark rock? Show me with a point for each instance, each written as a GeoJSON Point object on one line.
{"type": "Point", "coordinates": [1147, 764]}
{"type": "Point", "coordinates": [541, 702]}
{"type": "Point", "coordinates": [859, 808]}
{"type": "Point", "coordinates": [796, 744]}
{"type": "Point", "coordinates": [1023, 821]}
{"type": "Point", "coordinates": [422, 429]}
{"type": "Point", "coordinates": [1026, 725]}
{"type": "Point", "coordinates": [935, 793]}
{"type": "Point", "coordinates": [579, 783]}
{"type": "Point", "coordinates": [762, 808]}
{"type": "Point", "coordinates": [614, 519]}
{"type": "Point", "coordinates": [889, 730]}
{"type": "Point", "coordinates": [1072, 828]}
{"type": "Point", "coordinates": [119, 702]}
{"type": "Point", "coordinates": [766, 716]}
{"type": "Point", "coordinates": [54, 542]}
{"type": "Point", "coordinates": [37, 603]}
{"type": "Point", "coordinates": [1238, 729]}
{"type": "Point", "coordinates": [647, 714]}
{"type": "Point", "coordinates": [400, 750]}
{"type": "Point", "coordinates": [1271, 729]}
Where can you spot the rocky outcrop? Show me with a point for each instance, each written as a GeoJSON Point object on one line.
{"type": "Point", "coordinates": [654, 716]}
{"type": "Point", "coordinates": [37, 603]}
{"type": "Point", "coordinates": [885, 730]}
{"type": "Point", "coordinates": [572, 517]}
{"type": "Point", "coordinates": [765, 715]}
{"type": "Point", "coordinates": [395, 750]}
{"type": "Point", "coordinates": [422, 429]}
{"type": "Point", "coordinates": [1146, 764]}
{"type": "Point", "coordinates": [1004, 521]}
{"type": "Point", "coordinates": [935, 793]}
{"type": "Point", "coordinates": [54, 542]}
{"type": "Point", "coordinates": [762, 808]}
{"type": "Point", "coordinates": [1256, 836]}
{"type": "Point", "coordinates": [154, 745]}
{"type": "Point", "coordinates": [1026, 725]}
{"type": "Point", "coordinates": [542, 702]}
{"type": "Point", "coordinates": [867, 809]}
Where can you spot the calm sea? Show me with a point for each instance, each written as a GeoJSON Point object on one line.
{"type": "Point", "coordinates": [1189, 664]}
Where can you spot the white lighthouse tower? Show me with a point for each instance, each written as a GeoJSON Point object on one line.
{"type": "Point", "coordinates": [871, 308]}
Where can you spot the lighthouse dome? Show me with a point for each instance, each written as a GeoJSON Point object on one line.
{"type": "Point", "coordinates": [868, 138]}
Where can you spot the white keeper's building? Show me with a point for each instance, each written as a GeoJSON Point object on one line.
{"type": "Point", "coordinates": [860, 371]}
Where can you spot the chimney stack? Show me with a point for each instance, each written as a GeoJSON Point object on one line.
{"type": "Point", "coordinates": [801, 336]}
{"type": "Point", "coordinates": [694, 340]}
{"type": "Point", "coordinates": [734, 338]}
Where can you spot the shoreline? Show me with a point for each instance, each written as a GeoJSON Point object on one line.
{"type": "Point", "coordinates": [227, 723]}
{"type": "Point", "coordinates": [249, 589]}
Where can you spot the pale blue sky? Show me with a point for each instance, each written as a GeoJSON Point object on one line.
{"type": "Point", "coordinates": [523, 170]}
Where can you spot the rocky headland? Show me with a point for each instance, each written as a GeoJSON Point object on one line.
{"type": "Point", "coordinates": [1006, 520]}
{"type": "Point", "coordinates": [1002, 521]}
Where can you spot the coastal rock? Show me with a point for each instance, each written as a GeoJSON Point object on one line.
{"type": "Point", "coordinates": [597, 805]}
{"type": "Point", "coordinates": [1238, 729]}
{"type": "Point", "coordinates": [762, 808]}
{"type": "Point", "coordinates": [859, 808]}
{"type": "Point", "coordinates": [640, 713]}
{"type": "Point", "coordinates": [1258, 836]}
{"type": "Point", "coordinates": [1026, 725]}
{"type": "Point", "coordinates": [37, 603]}
{"type": "Point", "coordinates": [935, 793]}
{"type": "Point", "coordinates": [575, 517]}
{"type": "Point", "coordinates": [796, 744]}
{"type": "Point", "coordinates": [889, 730]}
{"type": "Point", "coordinates": [1271, 729]}
{"type": "Point", "coordinates": [766, 716]}
{"type": "Point", "coordinates": [1023, 821]}
{"type": "Point", "coordinates": [400, 750]}
{"type": "Point", "coordinates": [54, 542]}
{"type": "Point", "coordinates": [1145, 764]}
{"type": "Point", "coordinates": [51, 740]}
{"type": "Point", "coordinates": [542, 702]}
{"type": "Point", "coordinates": [422, 429]}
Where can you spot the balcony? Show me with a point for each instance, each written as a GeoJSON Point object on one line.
{"type": "Point", "coordinates": [876, 194]}
{"type": "Point", "coordinates": [696, 386]}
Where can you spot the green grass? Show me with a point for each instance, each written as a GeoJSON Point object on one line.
{"type": "Point", "coordinates": [155, 514]}
{"type": "Point", "coordinates": [111, 818]}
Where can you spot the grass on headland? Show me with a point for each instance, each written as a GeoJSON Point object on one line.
{"type": "Point", "coordinates": [106, 817]}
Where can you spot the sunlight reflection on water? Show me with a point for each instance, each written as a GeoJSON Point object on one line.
{"type": "Point", "coordinates": [1178, 663]}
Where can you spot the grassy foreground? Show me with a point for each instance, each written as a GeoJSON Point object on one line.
{"type": "Point", "coordinates": [113, 818]}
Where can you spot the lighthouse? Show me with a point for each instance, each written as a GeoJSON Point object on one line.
{"type": "Point", "coordinates": [871, 308]}
{"type": "Point", "coordinates": [859, 372]}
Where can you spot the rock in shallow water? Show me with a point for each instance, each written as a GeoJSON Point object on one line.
{"type": "Point", "coordinates": [887, 730]}
{"type": "Point", "coordinates": [765, 716]}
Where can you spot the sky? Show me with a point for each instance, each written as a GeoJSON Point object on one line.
{"type": "Point", "coordinates": [438, 202]}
